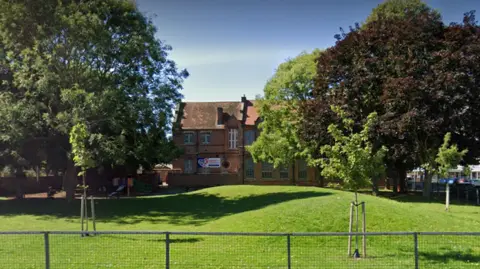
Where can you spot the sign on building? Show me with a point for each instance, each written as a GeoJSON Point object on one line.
{"type": "Point", "coordinates": [209, 162]}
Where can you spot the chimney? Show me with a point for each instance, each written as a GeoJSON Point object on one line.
{"type": "Point", "coordinates": [244, 99]}
{"type": "Point", "coordinates": [219, 116]}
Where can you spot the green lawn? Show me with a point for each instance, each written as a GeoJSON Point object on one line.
{"type": "Point", "coordinates": [239, 209]}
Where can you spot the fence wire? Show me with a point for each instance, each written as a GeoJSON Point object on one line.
{"type": "Point", "coordinates": [72, 250]}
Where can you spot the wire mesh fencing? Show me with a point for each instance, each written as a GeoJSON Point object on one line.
{"type": "Point", "coordinates": [194, 250]}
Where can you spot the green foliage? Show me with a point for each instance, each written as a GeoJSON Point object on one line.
{"type": "Point", "coordinates": [449, 156]}
{"type": "Point", "coordinates": [467, 171]}
{"type": "Point", "coordinates": [81, 155]}
{"type": "Point", "coordinates": [97, 63]}
{"type": "Point", "coordinates": [397, 9]}
{"type": "Point", "coordinates": [292, 83]}
{"type": "Point", "coordinates": [351, 158]}
{"type": "Point", "coordinates": [421, 76]}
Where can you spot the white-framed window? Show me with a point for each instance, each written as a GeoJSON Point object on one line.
{"type": "Point", "coordinates": [284, 172]}
{"type": "Point", "coordinates": [232, 138]}
{"type": "Point", "coordinates": [188, 166]}
{"type": "Point", "coordinates": [302, 170]}
{"type": "Point", "coordinates": [188, 138]}
{"type": "Point", "coordinates": [267, 170]}
{"type": "Point", "coordinates": [205, 138]}
{"type": "Point", "coordinates": [249, 137]}
{"type": "Point", "coordinates": [249, 168]}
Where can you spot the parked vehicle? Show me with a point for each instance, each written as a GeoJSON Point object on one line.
{"type": "Point", "coordinates": [450, 181]}
{"type": "Point", "coordinates": [476, 183]}
{"type": "Point", "coordinates": [464, 181]}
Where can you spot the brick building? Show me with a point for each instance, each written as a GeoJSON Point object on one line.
{"type": "Point", "coordinates": [221, 130]}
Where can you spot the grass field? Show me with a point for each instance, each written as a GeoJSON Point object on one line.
{"type": "Point", "coordinates": [239, 209]}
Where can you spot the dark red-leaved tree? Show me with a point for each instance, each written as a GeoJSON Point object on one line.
{"type": "Point", "coordinates": [419, 76]}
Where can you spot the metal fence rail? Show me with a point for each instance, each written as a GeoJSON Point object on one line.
{"type": "Point", "coordinates": [196, 250]}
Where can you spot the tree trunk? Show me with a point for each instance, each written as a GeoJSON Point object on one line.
{"type": "Point", "coordinates": [70, 181]}
{"type": "Point", "coordinates": [20, 179]}
{"type": "Point", "coordinates": [395, 184]}
{"type": "Point", "coordinates": [375, 186]}
{"type": "Point", "coordinates": [392, 174]}
{"type": "Point", "coordinates": [402, 175]}
{"type": "Point", "coordinates": [427, 184]}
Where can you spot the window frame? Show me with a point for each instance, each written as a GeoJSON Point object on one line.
{"type": "Point", "coordinates": [266, 172]}
{"type": "Point", "coordinates": [247, 136]}
{"type": "Point", "coordinates": [204, 134]}
{"type": "Point", "coordinates": [190, 170]}
{"type": "Point", "coordinates": [233, 138]}
{"type": "Point", "coordinates": [249, 173]}
{"type": "Point", "coordinates": [282, 170]}
{"type": "Point", "coordinates": [191, 135]}
{"type": "Point", "coordinates": [302, 174]}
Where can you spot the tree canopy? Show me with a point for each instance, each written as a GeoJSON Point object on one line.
{"type": "Point", "coordinates": [416, 73]}
{"type": "Point", "coordinates": [291, 85]}
{"type": "Point", "coordinates": [398, 9]}
{"type": "Point", "coordinates": [352, 158]}
{"type": "Point", "coordinates": [449, 156]}
{"type": "Point", "coordinates": [95, 63]}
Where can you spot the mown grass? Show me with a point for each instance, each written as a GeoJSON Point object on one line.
{"type": "Point", "coordinates": [239, 209]}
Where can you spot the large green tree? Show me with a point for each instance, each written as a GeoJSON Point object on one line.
{"type": "Point", "coordinates": [291, 85]}
{"type": "Point", "coordinates": [92, 62]}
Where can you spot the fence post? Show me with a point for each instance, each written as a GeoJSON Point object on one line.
{"type": "Point", "coordinates": [47, 250]}
{"type": "Point", "coordinates": [167, 250]}
{"type": "Point", "coordinates": [415, 242]}
{"type": "Point", "coordinates": [289, 252]}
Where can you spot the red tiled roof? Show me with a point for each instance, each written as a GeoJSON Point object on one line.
{"type": "Point", "coordinates": [203, 115]}
{"type": "Point", "coordinates": [252, 114]}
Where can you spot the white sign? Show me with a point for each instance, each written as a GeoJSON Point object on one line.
{"type": "Point", "coordinates": [209, 162]}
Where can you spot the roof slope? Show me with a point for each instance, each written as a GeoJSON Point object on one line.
{"type": "Point", "coordinates": [203, 115]}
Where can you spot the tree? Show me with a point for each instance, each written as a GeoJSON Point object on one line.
{"type": "Point", "coordinates": [292, 83]}
{"type": "Point", "coordinates": [417, 74]}
{"type": "Point", "coordinates": [448, 157]}
{"type": "Point", "coordinates": [352, 158]}
{"type": "Point", "coordinates": [96, 63]}
{"type": "Point", "coordinates": [397, 9]}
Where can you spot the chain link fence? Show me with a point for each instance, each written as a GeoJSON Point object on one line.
{"type": "Point", "coordinates": [190, 250]}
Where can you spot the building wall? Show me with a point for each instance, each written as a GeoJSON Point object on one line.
{"type": "Point", "coordinates": [219, 148]}
{"type": "Point", "coordinates": [185, 180]}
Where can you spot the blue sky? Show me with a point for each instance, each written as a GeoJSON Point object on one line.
{"type": "Point", "coordinates": [232, 47]}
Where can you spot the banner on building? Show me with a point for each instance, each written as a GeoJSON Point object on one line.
{"type": "Point", "coordinates": [209, 162]}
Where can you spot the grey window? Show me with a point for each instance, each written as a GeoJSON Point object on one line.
{"type": "Point", "coordinates": [249, 168]}
{"type": "Point", "coordinates": [267, 170]}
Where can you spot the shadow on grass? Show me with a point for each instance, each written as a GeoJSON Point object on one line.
{"type": "Point", "coordinates": [157, 240]}
{"type": "Point", "coordinates": [451, 256]}
{"type": "Point", "coordinates": [417, 197]}
{"type": "Point", "coordinates": [183, 209]}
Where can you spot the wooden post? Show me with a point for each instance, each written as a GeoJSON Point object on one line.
{"type": "Point", "coordinates": [92, 204]}
{"type": "Point", "coordinates": [447, 197]}
{"type": "Point", "coordinates": [85, 199]}
{"type": "Point", "coordinates": [350, 226]}
{"type": "Point", "coordinates": [364, 230]}
{"type": "Point", "coordinates": [82, 212]}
